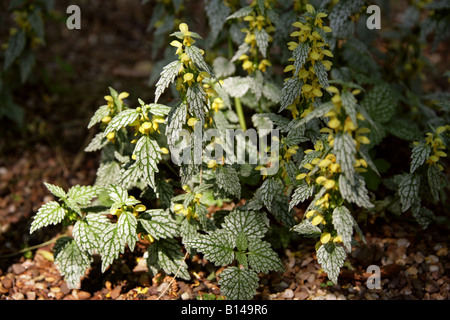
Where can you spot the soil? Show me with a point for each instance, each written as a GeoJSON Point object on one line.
{"type": "Point", "coordinates": [113, 49]}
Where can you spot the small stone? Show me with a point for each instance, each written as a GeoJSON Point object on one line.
{"type": "Point", "coordinates": [419, 257]}
{"type": "Point", "coordinates": [186, 296]}
{"type": "Point", "coordinates": [288, 294]}
{"type": "Point", "coordinates": [442, 252]}
{"type": "Point", "coordinates": [163, 286]}
{"type": "Point", "coordinates": [400, 262]}
{"type": "Point", "coordinates": [31, 295]}
{"type": "Point", "coordinates": [434, 267]}
{"type": "Point", "coordinates": [17, 268]}
{"type": "Point", "coordinates": [7, 283]}
{"type": "Point", "coordinates": [83, 295]}
{"type": "Point", "coordinates": [18, 296]}
{"type": "Point", "coordinates": [55, 289]}
{"type": "Point", "coordinates": [403, 242]}
{"type": "Point", "coordinates": [412, 271]}
{"type": "Point", "coordinates": [431, 287]}
{"type": "Point", "coordinates": [330, 296]}
{"type": "Point", "coordinates": [65, 289]}
{"type": "Point", "coordinates": [115, 293]}
{"type": "Point", "coordinates": [432, 259]}
{"type": "Point", "coordinates": [341, 297]}
{"type": "Point", "coordinates": [371, 296]}
{"type": "Point", "coordinates": [302, 295]}
{"type": "Point", "coordinates": [406, 291]}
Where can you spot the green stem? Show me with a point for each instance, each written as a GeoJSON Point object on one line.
{"type": "Point", "coordinates": [28, 249]}
{"type": "Point", "coordinates": [240, 113]}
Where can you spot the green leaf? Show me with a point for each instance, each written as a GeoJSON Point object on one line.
{"type": "Point", "coordinates": [167, 77]}
{"type": "Point", "coordinates": [262, 41]}
{"type": "Point", "coordinates": [72, 263]}
{"type": "Point", "coordinates": [331, 258]}
{"type": "Point", "coordinates": [160, 224]}
{"type": "Point", "coordinates": [217, 13]}
{"type": "Point", "coordinates": [242, 242]}
{"type": "Point", "coordinates": [164, 191]}
{"type": "Point", "coordinates": [307, 229]}
{"type": "Point", "coordinates": [343, 223]}
{"type": "Point", "coordinates": [49, 213]}
{"type": "Point", "coordinates": [148, 155]}
{"type": "Point", "coordinates": [408, 189]}
{"type": "Point", "coordinates": [16, 46]}
{"type": "Point", "coordinates": [97, 143]}
{"type": "Point", "coordinates": [101, 112]}
{"type": "Point", "coordinates": [166, 254]}
{"type": "Point", "coordinates": [238, 284]}
{"type": "Point", "coordinates": [159, 109]}
{"type": "Point", "coordinates": [196, 102]}
{"type": "Point", "coordinates": [55, 190]}
{"type": "Point", "coordinates": [228, 180]}
{"type": "Point", "coordinates": [27, 63]}
{"type": "Point", "coordinates": [128, 177]}
{"type": "Point", "coordinates": [302, 193]}
{"type": "Point", "coordinates": [88, 232]}
{"type": "Point", "coordinates": [345, 150]}
{"type": "Point", "coordinates": [217, 247]}
{"type": "Point", "coordinates": [121, 120]}
{"type": "Point", "coordinates": [262, 258]}
{"type": "Point", "coordinates": [252, 224]}
{"type": "Point", "coordinates": [126, 230]}
{"type": "Point", "coordinates": [380, 103]}
{"type": "Point", "coordinates": [237, 86]}
{"type": "Point", "coordinates": [291, 90]}
{"type": "Point", "coordinates": [107, 173]}
{"type": "Point", "coordinates": [423, 216]}
{"type": "Point", "coordinates": [349, 104]}
{"type": "Point", "coordinates": [300, 54]}
{"type": "Point", "coordinates": [420, 154]}
{"type": "Point", "coordinates": [111, 246]}
{"type": "Point", "coordinates": [196, 56]}
{"type": "Point", "coordinates": [270, 189]}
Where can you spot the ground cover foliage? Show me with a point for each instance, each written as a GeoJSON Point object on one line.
{"type": "Point", "coordinates": [325, 96]}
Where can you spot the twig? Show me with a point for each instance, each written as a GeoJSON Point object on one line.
{"type": "Point", "coordinates": [44, 244]}
{"type": "Point", "coordinates": [170, 283]}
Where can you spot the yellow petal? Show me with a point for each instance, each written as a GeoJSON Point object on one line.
{"type": "Point", "coordinates": [329, 184]}
{"type": "Point", "coordinates": [325, 237]}
{"type": "Point", "coordinates": [123, 95]}
{"type": "Point", "coordinates": [183, 27]}
{"type": "Point", "coordinates": [316, 220]}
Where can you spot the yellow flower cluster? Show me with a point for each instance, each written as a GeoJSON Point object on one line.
{"type": "Point", "coordinates": [112, 111]}
{"type": "Point", "coordinates": [252, 61]}
{"type": "Point", "coordinates": [189, 213]}
{"type": "Point", "coordinates": [189, 73]}
{"type": "Point", "coordinates": [437, 146]}
{"type": "Point", "coordinates": [136, 209]}
{"type": "Point", "coordinates": [317, 51]}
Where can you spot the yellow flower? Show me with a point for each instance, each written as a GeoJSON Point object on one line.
{"type": "Point", "coordinates": [189, 78]}
{"type": "Point", "coordinates": [325, 237]}
{"type": "Point", "coordinates": [110, 136]}
{"type": "Point", "coordinates": [264, 64]}
{"type": "Point", "coordinates": [317, 220]}
{"type": "Point", "coordinates": [217, 104]}
{"type": "Point", "coordinates": [192, 122]}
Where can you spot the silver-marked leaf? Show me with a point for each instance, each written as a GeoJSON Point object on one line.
{"type": "Point", "coordinates": [345, 150]}
{"type": "Point", "coordinates": [175, 120]}
{"type": "Point", "coordinates": [121, 120]}
{"type": "Point", "coordinates": [223, 67]}
{"type": "Point", "coordinates": [195, 54]}
{"type": "Point", "coordinates": [262, 41]}
{"type": "Point", "coordinates": [331, 257]}
{"type": "Point", "coordinates": [262, 258]}
{"type": "Point", "coordinates": [271, 92]}
{"type": "Point", "coordinates": [408, 189]}
{"type": "Point", "coordinates": [343, 223]}
{"type": "Point", "coordinates": [126, 230]}
{"type": "Point", "coordinates": [349, 104]}
{"type": "Point", "coordinates": [238, 284]}
{"type": "Point", "coordinates": [111, 246]}
{"type": "Point", "coordinates": [318, 112]}
{"type": "Point", "coordinates": [88, 232]}
{"type": "Point", "coordinates": [435, 180]}
{"type": "Point", "coordinates": [129, 176]}
{"type": "Point", "coordinates": [355, 192]}
{"type": "Point", "coordinates": [300, 54]}
{"type": "Point", "coordinates": [161, 224]}
{"type": "Point", "coordinates": [148, 155]}
{"type": "Point", "coordinates": [242, 12]}
{"type": "Point", "coordinates": [269, 189]}
{"type": "Point", "coordinates": [164, 191]}
{"type": "Point", "coordinates": [55, 190]}
{"type": "Point", "coordinates": [159, 109]}
{"type": "Point", "coordinates": [217, 247]}
{"type": "Point", "coordinates": [167, 77]}
{"type": "Point", "coordinates": [420, 154]}
{"type": "Point", "coordinates": [302, 193]}
{"type": "Point", "coordinates": [228, 180]}
{"type": "Point", "coordinates": [237, 86]}
{"type": "Point", "coordinates": [82, 195]}
{"type": "Point", "coordinates": [243, 49]}
{"type": "Point", "coordinates": [252, 224]}
{"type": "Point", "coordinates": [118, 195]}
{"type": "Point", "coordinates": [97, 143]}
{"type": "Point", "coordinates": [72, 263]}
{"type": "Point", "coordinates": [423, 216]}
{"type": "Point", "coordinates": [321, 73]}
{"type": "Point", "coordinates": [291, 90]}
{"type": "Point", "coordinates": [196, 102]}
{"type": "Point", "coordinates": [217, 13]}
{"type": "Point", "coordinates": [167, 254]}
{"type": "Point", "coordinates": [307, 229]}
{"type": "Point", "coordinates": [101, 112]}
{"type": "Point", "coordinates": [107, 173]}
{"type": "Point", "coordinates": [49, 213]}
